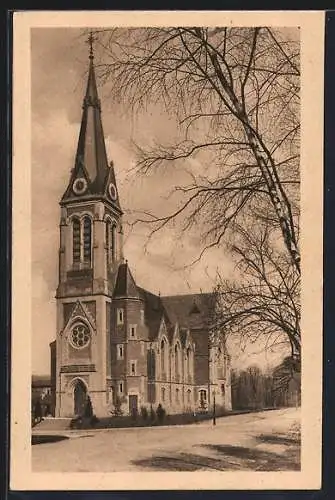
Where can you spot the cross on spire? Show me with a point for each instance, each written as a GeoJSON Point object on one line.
{"type": "Point", "coordinates": [90, 40]}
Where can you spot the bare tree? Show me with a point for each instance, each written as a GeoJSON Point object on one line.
{"type": "Point", "coordinates": [235, 92]}
{"type": "Point", "coordinates": [263, 301]}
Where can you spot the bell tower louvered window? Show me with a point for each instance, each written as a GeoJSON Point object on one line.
{"type": "Point", "coordinates": [76, 241]}
{"type": "Point", "coordinates": [82, 242]}
{"type": "Point", "coordinates": [87, 236]}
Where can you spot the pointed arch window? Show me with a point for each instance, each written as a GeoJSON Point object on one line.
{"type": "Point", "coordinates": [177, 362]}
{"type": "Point", "coordinates": [163, 356]}
{"type": "Point", "coordinates": [189, 364]}
{"type": "Point", "coordinates": [111, 242]}
{"type": "Point", "coordinates": [82, 242]}
{"type": "Point", "coordinates": [76, 234]}
{"type": "Point", "coordinates": [87, 237]}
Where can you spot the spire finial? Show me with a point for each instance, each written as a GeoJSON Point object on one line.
{"type": "Point", "coordinates": [90, 40]}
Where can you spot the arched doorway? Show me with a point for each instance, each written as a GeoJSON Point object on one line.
{"type": "Point", "coordinates": [79, 397]}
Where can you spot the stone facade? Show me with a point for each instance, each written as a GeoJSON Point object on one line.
{"type": "Point", "coordinates": [117, 343]}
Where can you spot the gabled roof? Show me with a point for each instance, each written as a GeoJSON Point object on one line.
{"type": "Point", "coordinates": [190, 311]}
{"type": "Point", "coordinates": [153, 311]}
{"type": "Point", "coordinates": [125, 286]}
{"type": "Point", "coordinates": [79, 310]}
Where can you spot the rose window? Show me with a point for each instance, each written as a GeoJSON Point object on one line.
{"type": "Point", "coordinates": [80, 336]}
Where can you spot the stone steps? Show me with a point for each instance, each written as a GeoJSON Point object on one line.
{"type": "Point", "coordinates": [53, 424]}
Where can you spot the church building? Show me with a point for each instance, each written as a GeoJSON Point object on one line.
{"type": "Point", "coordinates": [116, 341]}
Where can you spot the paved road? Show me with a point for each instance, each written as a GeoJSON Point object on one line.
{"type": "Point", "coordinates": [260, 441]}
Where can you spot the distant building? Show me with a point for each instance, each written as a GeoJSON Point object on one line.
{"type": "Point", "coordinates": [116, 341]}
{"type": "Point", "coordinates": [41, 390]}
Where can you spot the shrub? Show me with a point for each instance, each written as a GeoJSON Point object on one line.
{"type": "Point", "coordinates": [88, 408]}
{"type": "Point", "coordinates": [152, 415]}
{"type": "Point", "coordinates": [76, 423]}
{"type": "Point", "coordinates": [134, 413]}
{"type": "Point", "coordinates": [118, 406]}
{"type": "Point", "coordinates": [144, 413]}
{"type": "Point", "coordinates": [94, 421]}
{"type": "Point", "coordinates": [160, 412]}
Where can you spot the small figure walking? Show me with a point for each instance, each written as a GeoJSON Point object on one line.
{"type": "Point", "coordinates": [37, 412]}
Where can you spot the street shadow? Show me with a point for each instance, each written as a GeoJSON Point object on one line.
{"type": "Point", "coordinates": [226, 457]}
{"type": "Point", "coordinates": [41, 439]}
{"type": "Point", "coordinates": [261, 460]}
{"type": "Point", "coordinates": [281, 440]}
{"type": "Point", "coordinates": [186, 462]}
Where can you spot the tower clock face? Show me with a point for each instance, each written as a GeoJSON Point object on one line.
{"type": "Point", "coordinates": [112, 191]}
{"type": "Point", "coordinates": [79, 185]}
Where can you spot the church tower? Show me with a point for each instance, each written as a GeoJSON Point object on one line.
{"type": "Point", "coordinates": [89, 256]}
{"type": "Point", "coordinates": [120, 348]}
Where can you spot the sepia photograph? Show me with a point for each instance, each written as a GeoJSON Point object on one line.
{"type": "Point", "coordinates": [171, 187]}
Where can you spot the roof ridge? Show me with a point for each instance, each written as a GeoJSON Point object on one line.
{"type": "Point", "coordinates": [196, 294]}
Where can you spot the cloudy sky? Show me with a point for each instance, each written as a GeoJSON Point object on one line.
{"type": "Point", "coordinates": [59, 59]}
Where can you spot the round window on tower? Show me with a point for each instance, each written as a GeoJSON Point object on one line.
{"type": "Point", "coordinates": [80, 336]}
{"type": "Point", "coordinates": [112, 191]}
{"type": "Point", "coordinates": [80, 185]}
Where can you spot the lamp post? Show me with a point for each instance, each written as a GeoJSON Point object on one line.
{"type": "Point", "coordinates": [214, 416]}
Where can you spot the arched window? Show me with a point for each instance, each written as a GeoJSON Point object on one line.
{"type": "Point", "coordinates": [189, 362]}
{"type": "Point", "coordinates": [113, 242]}
{"type": "Point", "coordinates": [110, 242]}
{"type": "Point", "coordinates": [177, 396]}
{"type": "Point", "coordinates": [177, 361]}
{"type": "Point", "coordinates": [82, 242]}
{"type": "Point", "coordinates": [163, 356]}
{"type": "Point", "coordinates": [203, 398]}
{"type": "Point", "coordinates": [151, 364]}
{"type": "Point", "coordinates": [76, 240]}
{"type": "Point", "coordinates": [87, 237]}
{"type": "Point", "coordinates": [107, 240]}
{"type": "Point", "coordinates": [163, 394]}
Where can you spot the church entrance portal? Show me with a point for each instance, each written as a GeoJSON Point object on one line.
{"type": "Point", "coordinates": [79, 395]}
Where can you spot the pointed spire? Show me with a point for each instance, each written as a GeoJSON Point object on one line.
{"type": "Point", "coordinates": [91, 96]}
{"type": "Point", "coordinates": [91, 162]}
{"type": "Point", "coordinates": [91, 39]}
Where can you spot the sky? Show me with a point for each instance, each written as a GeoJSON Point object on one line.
{"type": "Point", "coordinates": [59, 63]}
